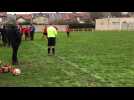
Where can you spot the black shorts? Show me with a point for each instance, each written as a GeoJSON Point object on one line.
{"type": "Point", "coordinates": [45, 34]}
{"type": "Point", "coordinates": [51, 41]}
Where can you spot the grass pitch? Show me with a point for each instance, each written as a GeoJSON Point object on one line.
{"type": "Point", "coordinates": [86, 59]}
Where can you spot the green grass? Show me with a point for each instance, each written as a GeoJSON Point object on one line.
{"type": "Point", "coordinates": [87, 59]}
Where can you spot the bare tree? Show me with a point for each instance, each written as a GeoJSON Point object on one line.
{"type": "Point", "coordinates": [116, 14]}
{"type": "Point", "coordinates": [95, 15]}
{"type": "Point", "coordinates": [11, 19]}
{"type": "Point", "coordinates": [59, 21]}
{"type": "Point", "coordinates": [106, 14]}
{"type": "Point", "coordinates": [131, 14]}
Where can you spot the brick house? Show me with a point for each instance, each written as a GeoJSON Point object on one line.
{"type": "Point", "coordinates": [3, 17]}
{"type": "Point", "coordinates": [20, 18]}
{"type": "Point", "coordinates": [40, 18]}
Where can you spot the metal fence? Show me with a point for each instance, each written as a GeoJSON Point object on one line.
{"type": "Point", "coordinates": [82, 29]}
{"type": "Point", "coordinates": [130, 27]}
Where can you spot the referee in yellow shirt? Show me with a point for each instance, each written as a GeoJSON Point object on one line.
{"type": "Point", "coordinates": [51, 34]}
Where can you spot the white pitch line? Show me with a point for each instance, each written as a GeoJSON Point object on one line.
{"type": "Point", "coordinates": [63, 59]}
{"type": "Point", "coordinates": [38, 45]}
{"type": "Point", "coordinates": [71, 63]}
{"type": "Point", "coordinates": [82, 69]}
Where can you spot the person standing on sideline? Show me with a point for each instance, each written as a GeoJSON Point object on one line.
{"type": "Point", "coordinates": [68, 31]}
{"type": "Point", "coordinates": [26, 32]}
{"type": "Point", "coordinates": [32, 30]}
{"type": "Point", "coordinates": [45, 32]}
{"type": "Point", "coordinates": [51, 34]}
{"type": "Point", "coordinates": [20, 30]}
{"type": "Point", "coordinates": [14, 37]}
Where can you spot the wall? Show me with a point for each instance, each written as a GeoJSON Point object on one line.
{"type": "Point", "coordinates": [40, 28]}
{"type": "Point", "coordinates": [114, 24]}
{"type": "Point", "coordinates": [40, 20]}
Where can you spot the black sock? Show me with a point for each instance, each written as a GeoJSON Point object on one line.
{"type": "Point", "coordinates": [48, 50]}
{"type": "Point", "coordinates": [53, 49]}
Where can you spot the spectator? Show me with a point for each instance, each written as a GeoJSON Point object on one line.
{"type": "Point", "coordinates": [32, 31]}
{"type": "Point", "coordinates": [45, 32]}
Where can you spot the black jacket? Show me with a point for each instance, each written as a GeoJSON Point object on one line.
{"type": "Point", "coordinates": [13, 34]}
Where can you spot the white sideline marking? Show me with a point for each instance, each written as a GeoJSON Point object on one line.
{"type": "Point", "coordinates": [38, 45]}
{"type": "Point", "coordinates": [72, 63]}
{"type": "Point", "coordinates": [62, 58]}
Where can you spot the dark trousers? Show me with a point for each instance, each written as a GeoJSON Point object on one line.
{"type": "Point", "coordinates": [32, 35]}
{"type": "Point", "coordinates": [26, 36]}
{"type": "Point", "coordinates": [67, 34]}
{"type": "Point", "coordinates": [5, 40]}
{"type": "Point", "coordinates": [0, 36]}
{"type": "Point", "coordinates": [15, 46]}
{"type": "Point", "coordinates": [51, 43]}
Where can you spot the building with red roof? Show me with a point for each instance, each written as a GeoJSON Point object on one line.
{"type": "Point", "coordinates": [20, 18]}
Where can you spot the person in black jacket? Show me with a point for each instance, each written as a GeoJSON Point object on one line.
{"type": "Point", "coordinates": [0, 34]}
{"type": "Point", "coordinates": [3, 35]}
{"type": "Point", "coordinates": [14, 37]}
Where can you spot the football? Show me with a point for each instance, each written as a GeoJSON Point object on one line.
{"type": "Point", "coordinates": [16, 71]}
